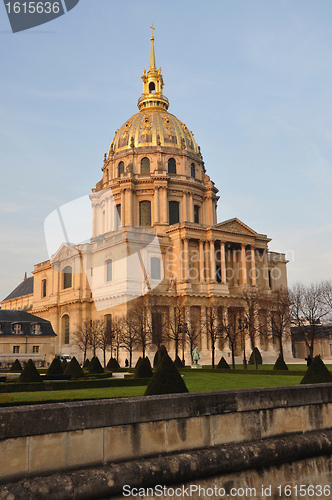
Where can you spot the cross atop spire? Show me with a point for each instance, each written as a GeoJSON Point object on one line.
{"type": "Point", "coordinates": [152, 56]}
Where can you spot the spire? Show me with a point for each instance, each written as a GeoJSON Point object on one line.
{"type": "Point", "coordinates": [153, 84]}
{"type": "Point", "coordinates": [152, 56]}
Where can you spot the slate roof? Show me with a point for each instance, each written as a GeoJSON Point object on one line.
{"type": "Point", "coordinates": [10, 316]}
{"type": "Point", "coordinates": [24, 288]}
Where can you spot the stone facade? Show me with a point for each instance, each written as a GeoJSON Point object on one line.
{"type": "Point", "coordinates": [155, 183]}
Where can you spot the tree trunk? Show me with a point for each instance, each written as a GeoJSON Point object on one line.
{"type": "Point", "coordinates": [233, 356]}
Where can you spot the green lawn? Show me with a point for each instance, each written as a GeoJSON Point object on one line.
{"type": "Point", "coordinates": [196, 381]}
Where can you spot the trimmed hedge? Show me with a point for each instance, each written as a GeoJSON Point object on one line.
{"type": "Point", "coordinates": [86, 363]}
{"type": "Point", "coordinates": [159, 355]}
{"type": "Point", "coordinates": [317, 373]}
{"type": "Point", "coordinates": [73, 385]}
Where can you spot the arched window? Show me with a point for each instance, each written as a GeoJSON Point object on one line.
{"type": "Point", "coordinates": [120, 168]}
{"type": "Point", "coordinates": [152, 87]}
{"type": "Point", "coordinates": [196, 214]}
{"type": "Point", "coordinates": [171, 166]}
{"type": "Point", "coordinates": [44, 288]}
{"type": "Point", "coordinates": [109, 270]}
{"type": "Point", "coordinates": [173, 212]}
{"type": "Point", "coordinates": [192, 170]}
{"type": "Point", "coordinates": [145, 165]}
{"type": "Point", "coordinates": [67, 277]}
{"type": "Point", "coordinates": [65, 328]}
{"type": "Point", "coordinates": [145, 213]}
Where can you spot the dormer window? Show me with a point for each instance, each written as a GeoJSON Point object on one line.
{"type": "Point", "coordinates": [35, 329]}
{"type": "Point", "coordinates": [17, 329]}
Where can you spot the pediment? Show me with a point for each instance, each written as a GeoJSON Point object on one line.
{"type": "Point", "coordinates": [235, 226]}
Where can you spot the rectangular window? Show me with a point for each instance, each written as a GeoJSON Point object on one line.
{"type": "Point", "coordinates": [35, 349]}
{"type": "Point", "coordinates": [44, 288]}
{"type": "Point", "coordinates": [117, 222]}
{"type": "Point", "coordinates": [155, 268]}
{"type": "Point", "coordinates": [16, 349]}
{"type": "Point", "coordinates": [173, 212]}
{"type": "Point", "coordinates": [109, 270]}
{"type": "Point", "coordinates": [196, 214]}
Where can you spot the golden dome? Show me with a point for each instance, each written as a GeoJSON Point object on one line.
{"type": "Point", "coordinates": [153, 125]}
{"type": "Point", "coordinates": [153, 128]}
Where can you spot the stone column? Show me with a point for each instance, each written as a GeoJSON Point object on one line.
{"type": "Point", "coordinates": [123, 211]}
{"type": "Point", "coordinates": [253, 266]}
{"type": "Point", "coordinates": [222, 262]}
{"type": "Point", "coordinates": [191, 208]}
{"type": "Point", "coordinates": [129, 217]}
{"type": "Point", "coordinates": [243, 266]}
{"type": "Point", "coordinates": [266, 271]}
{"type": "Point", "coordinates": [212, 263]}
{"type": "Point", "coordinates": [164, 206]}
{"type": "Point", "coordinates": [201, 262]}
{"type": "Point", "coordinates": [156, 205]}
{"type": "Point", "coordinates": [185, 254]}
{"type": "Point", "coordinates": [184, 207]}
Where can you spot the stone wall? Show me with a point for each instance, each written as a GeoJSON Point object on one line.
{"type": "Point", "coordinates": [103, 445]}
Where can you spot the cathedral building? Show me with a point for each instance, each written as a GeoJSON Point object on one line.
{"type": "Point", "coordinates": [155, 235]}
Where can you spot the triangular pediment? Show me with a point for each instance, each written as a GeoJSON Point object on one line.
{"type": "Point", "coordinates": [65, 251]}
{"type": "Point", "coordinates": [235, 226]}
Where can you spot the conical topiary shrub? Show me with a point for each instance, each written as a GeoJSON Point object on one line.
{"type": "Point", "coordinates": [138, 362]}
{"type": "Point", "coordinates": [16, 366]}
{"type": "Point", "coordinates": [30, 373]}
{"type": "Point", "coordinates": [143, 369]}
{"type": "Point", "coordinates": [73, 368]}
{"type": "Point", "coordinates": [95, 366]}
{"type": "Point", "coordinates": [166, 379]}
{"type": "Point", "coordinates": [86, 363]}
{"type": "Point", "coordinates": [280, 363]}
{"type": "Point", "coordinates": [257, 354]}
{"type": "Point", "coordinates": [317, 373]}
{"type": "Point", "coordinates": [223, 364]}
{"type": "Point", "coordinates": [113, 365]}
{"type": "Point", "coordinates": [55, 367]}
{"type": "Point", "coordinates": [178, 363]}
{"type": "Point", "coordinates": [159, 354]}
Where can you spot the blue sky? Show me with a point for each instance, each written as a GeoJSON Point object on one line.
{"type": "Point", "coordinates": [251, 78]}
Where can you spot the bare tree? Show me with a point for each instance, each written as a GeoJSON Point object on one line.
{"type": "Point", "coordinates": [105, 337]}
{"type": "Point", "coordinates": [82, 337]}
{"type": "Point", "coordinates": [128, 336]}
{"type": "Point", "coordinates": [253, 299]}
{"type": "Point", "coordinates": [139, 321]}
{"type": "Point", "coordinates": [191, 333]}
{"type": "Point", "coordinates": [327, 296]}
{"type": "Point", "coordinates": [308, 308]}
{"type": "Point", "coordinates": [230, 331]}
{"type": "Point", "coordinates": [176, 325]}
{"type": "Point", "coordinates": [96, 329]}
{"type": "Point", "coordinates": [213, 329]}
{"type": "Point", "coordinates": [280, 317]}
